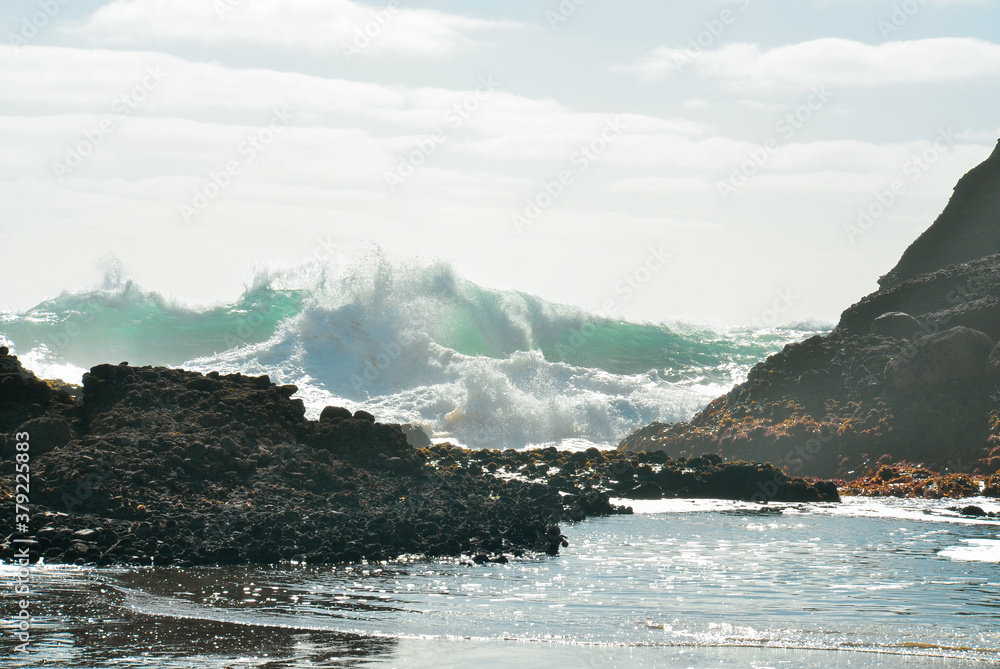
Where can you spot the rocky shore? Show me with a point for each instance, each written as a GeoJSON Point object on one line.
{"type": "Point", "coordinates": [905, 480]}
{"type": "Point", "coordinates": [165, 466]}
{"type": "Point", "coordinates": [910, 374]}
{"type": "Point", "coordinates": [155, 465]}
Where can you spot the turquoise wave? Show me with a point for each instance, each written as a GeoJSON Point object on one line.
{"type": "Point", "coordinates": [384, 301]}
{"type": "Point", "coordinates": [142, 327]}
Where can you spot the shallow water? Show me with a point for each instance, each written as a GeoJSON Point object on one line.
{"type": "Point", "coordinates": [869, 583]}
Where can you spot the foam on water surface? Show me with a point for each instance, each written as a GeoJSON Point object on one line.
{"type": "Point", "coordinates": [719, 584]}
{"type": "Point", "coordinates": [412, 342]}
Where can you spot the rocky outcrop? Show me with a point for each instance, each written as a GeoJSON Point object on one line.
{"type": "Point", "coordinates": [966, 294]}
{"type": "Point", "coordinates": [907, 374]}
{"type": "Point", "coordinates": [175, 467]}
{"type": "Point", "coordinates": [903, 480]}
{"type": "Point", "coordinates": [896, 325]}
{"type": "Point", "coordinates": [958, 355]}
{"type": "Point", "coordinates": [965, 230]}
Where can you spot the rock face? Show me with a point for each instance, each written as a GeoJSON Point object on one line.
{"type": "Point", "coordinates": [165, 466]}
{"type": "Point", "coordinates": [896, 325]}
{"type": "Point", "coordinates": [908, 374]}
{"type": "Point", "coordinates": [966, 294]}
{"type": "Point", "coordinates": [174, 467]}
{"type": "Point", "coordinates": [958, 355]}
{"type": "Point", "coordinates": [965, 230]}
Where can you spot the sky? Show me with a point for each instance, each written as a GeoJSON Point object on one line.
{"type": "Point", "coordinates": [745, 161]}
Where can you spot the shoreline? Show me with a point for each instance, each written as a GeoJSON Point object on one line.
{"type": "Point", "coordinates": [170, 467]}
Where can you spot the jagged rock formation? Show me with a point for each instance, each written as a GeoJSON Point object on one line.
{"type": "Point", "coordinates": [175, 467]}
{"type": "Point", "coordinates": [965, 230]}
{"type": "Point", "coordinates": [907, 375]}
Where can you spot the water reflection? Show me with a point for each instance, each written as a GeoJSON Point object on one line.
{"type": "Point", "coordinates": [85, 618]}
{"type": "Point", "coordinates": [687, 582]}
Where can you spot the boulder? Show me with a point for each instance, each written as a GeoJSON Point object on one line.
{"type": "Point", "coordinates": [46, 433]}
{"type": "Point", "coordinates": [647, 490]}
{"type": "Point", "coordinates": [956, 355]}
{"type": "Point", "coordinates": [415, 436]}
{"type": "Point", "coordinates": [288, 390]}
{"type": "Point", "coordinates": [334, 413]}
{"type": "Point", "coordinates": [897, 325]}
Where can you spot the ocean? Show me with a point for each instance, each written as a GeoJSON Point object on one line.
{"type": "Point", "coordinates": [681, 583]}
{"type": "Point", "coordinates": [412, 343]}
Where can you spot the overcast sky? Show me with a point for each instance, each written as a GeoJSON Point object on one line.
{"type": "Point", "coordinates": [714, 155]}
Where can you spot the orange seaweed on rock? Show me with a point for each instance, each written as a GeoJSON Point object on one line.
{"type": "Point", "coordinates": [912, 481]}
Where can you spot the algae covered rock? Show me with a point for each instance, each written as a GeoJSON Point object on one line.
{"type": "Point", "coordinates": [960, 355]}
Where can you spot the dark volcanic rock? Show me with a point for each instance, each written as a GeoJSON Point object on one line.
{"type": "Point", "coordinates": [958, 355]}
{"type": "Point", "coordinates": [896, 325]}
{"type": "Point", "coordinates": [647, 490]}
{"type": "Point", "coordinates": [27, 402]}
{"type": "Point", "coordinates": [166, 466]}
{"type": "Point", "coordinates": [47, 433]}
{"type": "Point", "coordinates": [415, 436]}
{"type": "Point", "coordinates": [993, 365]}
{"type": "Point", "coordinates": [966, 294]}
{"type": "Point", "coordinates": [965, 230]}
{"type": "Point", "coordinates": [907, 375]}
{"type": "Point", "coordinates": [335, 413]}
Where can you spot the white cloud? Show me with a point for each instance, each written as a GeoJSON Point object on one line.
{"type": "Point", "coordinates": [979, 135]}
{"type": "Point", "coordinates": [758, 105]}
{"type": "Point", "coordinates": [831, 61]}
{"type": "Point", "coordinates": [661, 185]}
{"type": "Point", "coordinates": [345, 134]}
{"type": "Point", "coordinates": [321, 26]}
{"type": "Point", "coordinates": [77, 85]}
{"type": "Point", "coordinates": [325, 175]}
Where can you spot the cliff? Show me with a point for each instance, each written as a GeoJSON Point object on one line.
{"type": "Point", "coordinates": [910, 373]}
